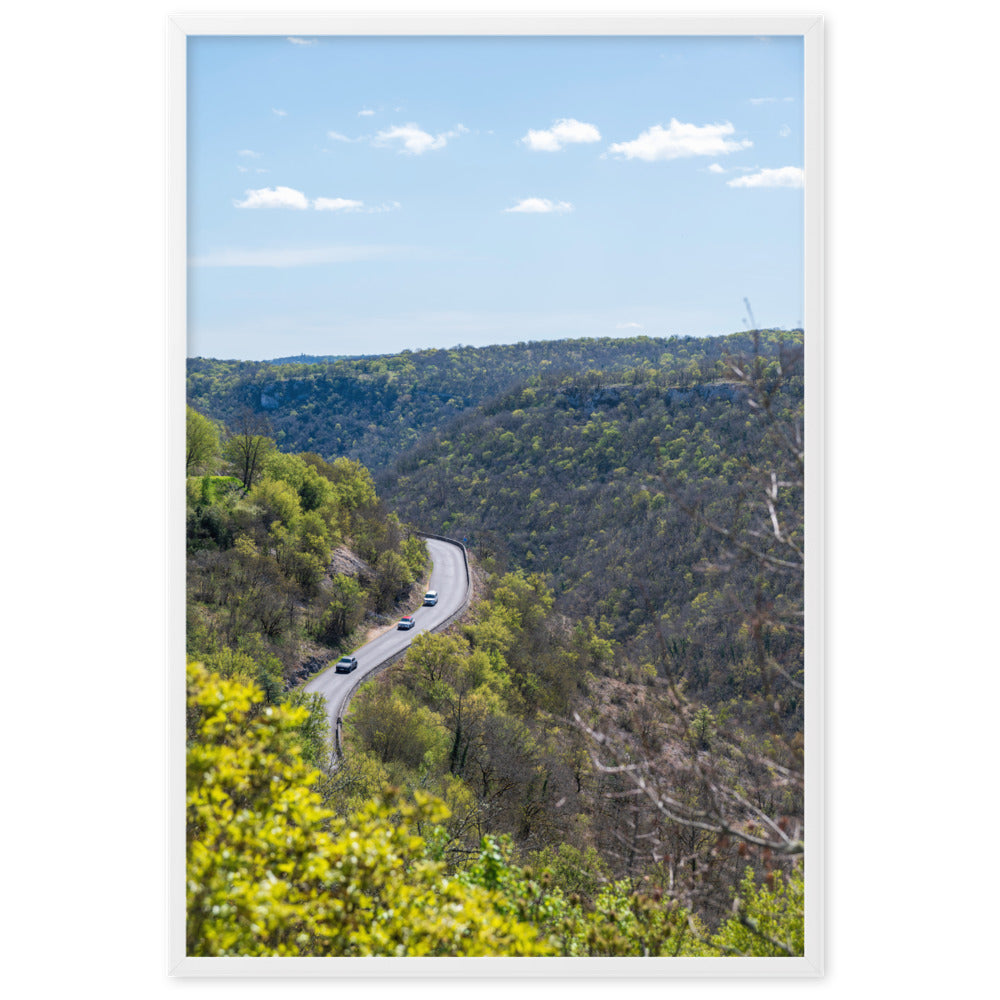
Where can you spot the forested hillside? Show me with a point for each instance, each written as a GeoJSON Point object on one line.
{"type": "Point", "coordinates": [373, 409]}
{"type": "Point", "coordinates": [288, 557]}
{"type": "Point", "coordinates": [591, 479]}
{"type": "Point", "coordinates": [604, 757]}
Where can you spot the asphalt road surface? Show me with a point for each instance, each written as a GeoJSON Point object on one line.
{"type": "Point", "coordinates": [448, 579]}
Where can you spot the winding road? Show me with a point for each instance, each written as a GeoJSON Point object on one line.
{"type": "Point", "coordinates": [449, 577]}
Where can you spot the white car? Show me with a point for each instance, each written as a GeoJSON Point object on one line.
{"type": "Point", "coordinates": [430, 598]}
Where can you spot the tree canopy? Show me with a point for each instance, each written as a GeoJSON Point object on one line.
{"type": "Point", "coordinates": [272, 872]}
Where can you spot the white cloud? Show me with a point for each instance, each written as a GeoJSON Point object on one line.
{"type": "Point", "coordinates": [562, 133]}
{"type": "Point", "coordinates": [784, 131]}
{"type": "Point", "coordinates": [301, 257]}
{"type": "Point", "coordinates": [276, 197]}
{"type": "Point", "coordinates": [364, 112]}
{"type": "Point", "coordinates": [762, 100]}
{"type": "Point", "coordinates": [302, 41]}
{"type": "Point", "coordinates": [540, 205]}
{"type": "Point", "coordinates": [339, 137]}
{"type": "Point", "coordinates": [415, 140]}
{"type": "Point", "coordinates": [790, 177]}
{"type": "Point", "coordinates": [628, 326]}
{"type": "Point", "coordinates": [337, 205]}
{"type": "Point", "coordinates": [279, 112]}
{"type": "Point", "coordinates": [715, 168]}
{"type": "Point", "coordinates": [284, 197]}
{"type": "Point", "coordinates": [681, 139]}
{"type": "Point", "coordinates": [242, 169]}
{"type": "Point", "coordinates": [248, 152]}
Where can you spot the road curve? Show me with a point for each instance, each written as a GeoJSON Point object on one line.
{"type": "Point", "coordinates": [450, 579]}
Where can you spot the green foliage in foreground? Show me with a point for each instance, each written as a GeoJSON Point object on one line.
{"type": "Point", "coordinates": [272, 871]}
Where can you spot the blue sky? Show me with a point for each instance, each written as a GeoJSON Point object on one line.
{"type": "Point", "coordinates": [367, 195]}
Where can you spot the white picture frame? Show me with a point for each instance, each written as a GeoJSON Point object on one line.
{"type": "Point", "coordinates": [182, 27]}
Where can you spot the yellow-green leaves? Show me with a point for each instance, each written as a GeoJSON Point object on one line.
{"type": "Point", "coordinates": [273, 872]}
{"type": "Point", "coordinates": [768, 920]}
{"type": "Point", "coordinates": [202, 443]}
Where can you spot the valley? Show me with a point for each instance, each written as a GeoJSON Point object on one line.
{"type": "Point", "coordinates": [621, 705]}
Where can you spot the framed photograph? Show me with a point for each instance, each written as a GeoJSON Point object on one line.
{"type": "Point", "coordinates": [496, 612]}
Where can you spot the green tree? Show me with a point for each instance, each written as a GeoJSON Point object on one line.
{"type": "Point", "coordinates": [353, 484]}
{"type": "Point", "coordinates": [247, 448]}
{"type": "Point", "coordinates": [701, 729]}
{"type": "Point", "coordinates": [768, 918]}
{"type": "Point", "coordinates": [202, 443]}
{"type": "Point", "coordinates": [394, 728]}
{"type": "Point", "coordinates": [277, 501]}
{"type": "Point", "coordinates": [575, 872]}
{"type": "Point", "coordinates": [343, 613]}
{"type": "Point", "coordinates": [392, 579]}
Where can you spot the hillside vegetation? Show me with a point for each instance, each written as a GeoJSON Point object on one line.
{"type": "Point", "coordinates": [591, 480]}
{"type": "Point", "coordinates": [288, 557]}
{"type": "Point", "coordinates": [373, 409]}
{"type": "Point", "coordinates": [273, 871]}
{"type": "Point", "coordinates": [605, 756]}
